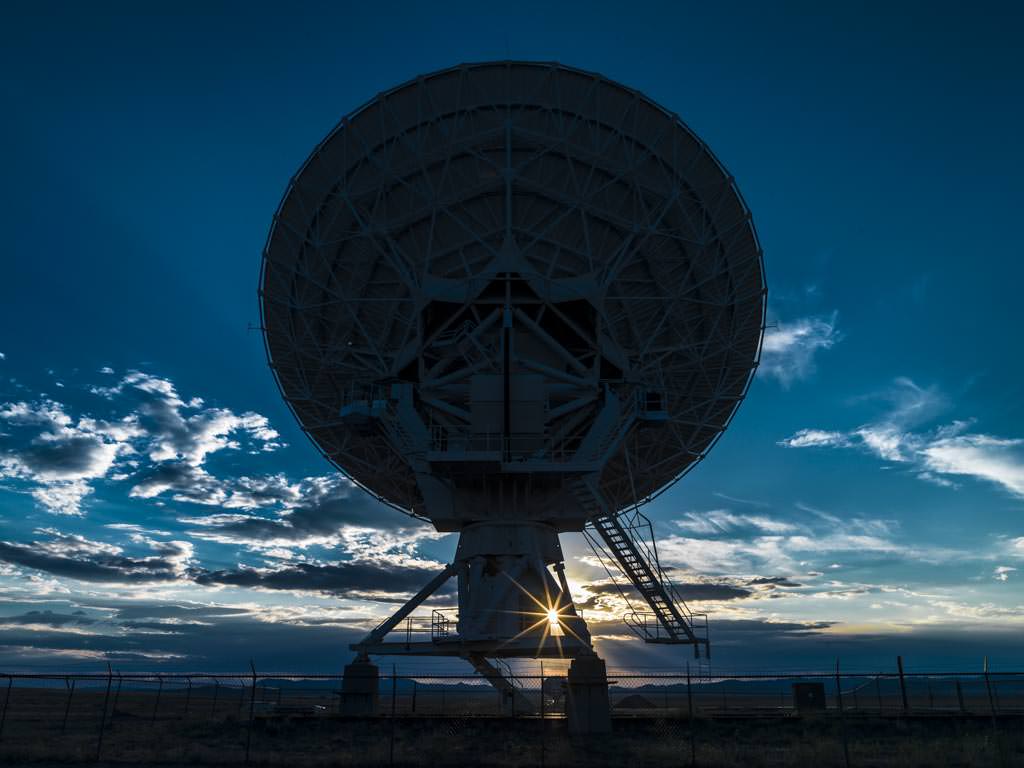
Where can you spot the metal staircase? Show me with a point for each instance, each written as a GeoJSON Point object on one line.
{"type": "Point", "coordinates": [514, 700]}
{"type": "Point", "coordinates": [671, 621]}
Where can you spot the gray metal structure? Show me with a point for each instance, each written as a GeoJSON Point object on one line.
{"type": "Point", "coordinates": [515, 299]}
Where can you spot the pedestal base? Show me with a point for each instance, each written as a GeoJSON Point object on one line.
{"type": "Point", "coordinates": [586, 701]}
{"type": "Point", "coordinates": [360, 689]}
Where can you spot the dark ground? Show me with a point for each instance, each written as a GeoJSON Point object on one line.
{"type": "Point", "coordinates": [452, 741]}
{"type": "Point", "coordinates": [145, 730]}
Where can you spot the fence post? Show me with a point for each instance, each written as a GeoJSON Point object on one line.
{"type": "Point", "coordinates": [67, 706]}
{"type": "Point", "coordinates": [252, 710]}
{"type": "Point", "coordinates": [543, 730]}
{"type": "Point", "coordinates": [689, 703]}
{"type": "Point", "coordinates": [156, 705]}
{"type": "Point", "coordinates": [103, 714]}
{"type": "Point", "coordinates": [903, 685]}
{"type": "Point", "coordinates": [7, 701]}
{"type": "Point", "coordinates": [414, 687]}
{"type": "Point", "coordinates": [842, 719]}
{"type": "Point", "coordinates": [188, 697]}
{"type": "Point", "coordinates": [216, 690]}
{"type": "Point", "coordinates": [878, 691]}
{"type": "Point", "coordinates": [988, 688]}
{"type": "Point", "coordinates": [117, 696]}
{"type": "Point", "coordinates": [394, 703]}
{"type": "Point", "coordinates": [992, 711]}
{"type": "Point", "coordinates": [960, 696]}
{"type": "Point", "coordinates": [542, 691]}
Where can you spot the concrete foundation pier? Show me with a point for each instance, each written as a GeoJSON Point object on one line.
{"type": "Point", "coordinates": [587, 708]}
{"type": "Point", "coordinates": [360, 688]}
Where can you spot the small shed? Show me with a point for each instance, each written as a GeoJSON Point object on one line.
{"type": "Point", "coordinates": [808, 696]}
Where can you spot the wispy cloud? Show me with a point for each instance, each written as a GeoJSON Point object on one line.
{"type": "Point", "coordinates": [810, 438]}
{"type": "Point", "coordinates": [790, 347]}
{"type": "Point", "coordinates": [997, 460]}
{"type": "Point", "coordinates": [721, 542]}
{"type": "Point", "coordinates": [933, 454]}
{"type": "Point", "coordinates": [723, 520]}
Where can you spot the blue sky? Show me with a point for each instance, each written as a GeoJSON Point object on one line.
{"type": "Point", "coordinates": [160, 507]}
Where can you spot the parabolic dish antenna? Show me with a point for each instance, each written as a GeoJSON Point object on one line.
{"type": "Point", "coordinates": [515, 299]}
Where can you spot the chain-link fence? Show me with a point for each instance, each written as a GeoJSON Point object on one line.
{"type": "Point", "coordinates": [437, 720]}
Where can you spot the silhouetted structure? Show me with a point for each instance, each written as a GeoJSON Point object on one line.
{"type": "Point", "coordinates": [516, 299]}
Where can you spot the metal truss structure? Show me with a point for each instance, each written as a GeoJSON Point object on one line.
{"type": "Point", "coordinates": [515, 293]}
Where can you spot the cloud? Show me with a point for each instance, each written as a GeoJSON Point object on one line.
{"type": "Point", "coordinates": [1002, 572]}
{"type": "Point", "coordinates": [80, 634]}
{"type": "Point", "coordinates": [134, 528]}
{"type": "Point", "coordinates": [728, 556]}
{"type": "Point", "coordinates": [58, 459]}
{"type": "Point", "coordinates": [79, 558]}
{"type": "Point", "coordinates": [354, 578]}
{"type": "Point", "coordinates": [722, 520]}
{"type": "Point", "coordinates": [317, 511]}
{"type": "Point", "coordinates": [994, 459]}
{"type": "Point", "coordinates": [807, 438]}
{"type": "Point", "coordinates": [167, 610]}
{"type": "Point", "coordinates": [932, 454]}
{"type": "Point", "coordinates": [71, 456]}
{"type": "Point", "coordinates": [789, 348]}
{"type": "Point", "coordinates": [744, 547]}
{"type": "Point", "coordinates": [159, 444]}
{"type": "Point", "coordinates": [183, 481]}
{"type": "Point", "coordinates": [745, 502]}
{"type": "Point", "coordinates": [384, 571]}
{"type": "Point", "coordinates": [63, 498]}
{"type": "Point", "coordinates": [185, 431]}
{"type": "Point", "coordinates": [315, 638]}
{"type": "Point", "coordinates": [54, 456]}
{"type": "Point", "coordinates": [48, 618]}
{"type": "Point", "coordinates": [774, 581]}
{"type": "Point", "coordinates": [908, 403]}
{"type": "Point", "coordinates": [690, 591]}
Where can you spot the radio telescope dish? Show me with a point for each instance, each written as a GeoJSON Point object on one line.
{"type": "Point", "coordinates": [513, 299]}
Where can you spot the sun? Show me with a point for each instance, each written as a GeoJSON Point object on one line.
{"type": "Point", "coordinates": [554, 626]}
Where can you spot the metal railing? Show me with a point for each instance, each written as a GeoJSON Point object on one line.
{"type": "Point", "coordinates": [528, 446]}
{"type": "Point", "coordinates": [439, 624]}
{"type": "Point", "coordinates": [647, 626]}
